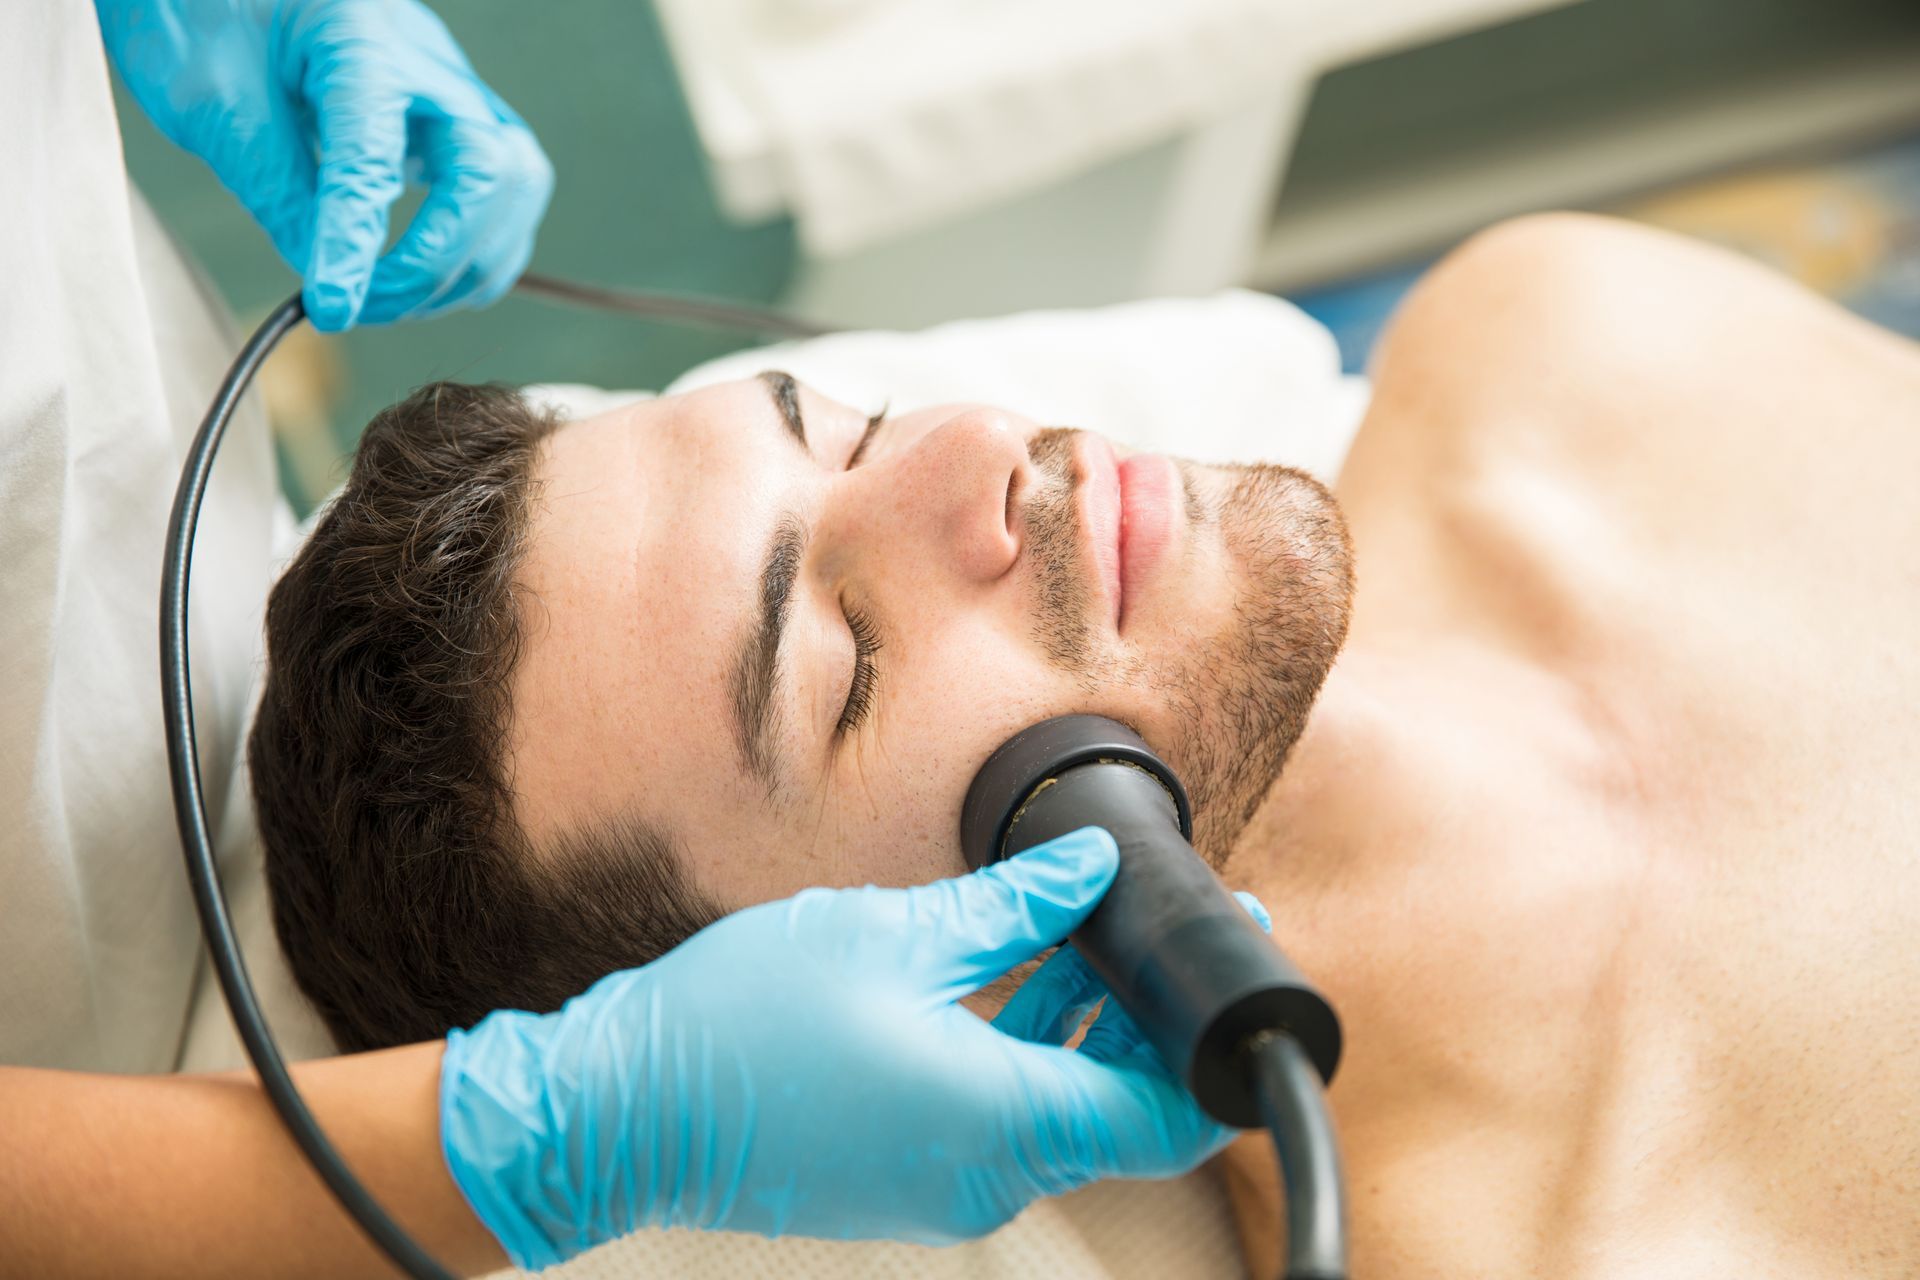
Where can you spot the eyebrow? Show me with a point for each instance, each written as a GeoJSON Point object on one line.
{"type": "Point", "coordinates": [756, 668]}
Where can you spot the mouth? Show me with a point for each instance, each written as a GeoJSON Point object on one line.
{"type": "Point", "coordinates": [1101, 500]}
{"type": "Point", "coordinates": [1130, 509]}
{"type": "Point", "coordinates": [1152, 506]}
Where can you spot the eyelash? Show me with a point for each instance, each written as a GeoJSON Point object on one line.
{"type": "Point", "coordinates": [866, 643]}
{"type": "Point", "coordinates": [866, 438]}
{"type": "Point", "coordinates": [866, 637]}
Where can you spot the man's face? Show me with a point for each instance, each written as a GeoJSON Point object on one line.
{"type": "Point", "coordinates": [795, 665]}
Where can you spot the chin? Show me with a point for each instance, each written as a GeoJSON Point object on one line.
{"type": "Point", "coordinates": [1229, 707]}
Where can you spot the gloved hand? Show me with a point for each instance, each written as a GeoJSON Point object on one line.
{"type": "Point", "coordinates": [802, 1067]}
{"type": "Point", "coordinates": [257, 88]}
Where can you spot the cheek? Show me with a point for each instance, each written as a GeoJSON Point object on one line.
{"type": "Point", "coordinates": [955, 687]}
{"type": "Point", "coordinates": [953, 700]}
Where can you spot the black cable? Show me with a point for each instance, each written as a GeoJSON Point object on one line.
{"type": "Point", "coordinates": [662, 306]}
{"type": "Point", "coordinates": [1294, 1108]}
{"type": "Point", "coordinates": [183, 760]}
{"type": "Point", "coordinates": [189, 808]}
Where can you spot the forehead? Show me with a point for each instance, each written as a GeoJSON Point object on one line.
{"type": "Point", "coordinates": [645, 529]}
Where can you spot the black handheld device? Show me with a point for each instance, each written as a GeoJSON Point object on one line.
{"type": "Point", "coordinates": [1224, 1007]}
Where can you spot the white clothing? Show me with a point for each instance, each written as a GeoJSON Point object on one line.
{"type": "Point", "coordinates": [109, 352]}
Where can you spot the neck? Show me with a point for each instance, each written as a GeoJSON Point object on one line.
{"type": "Point", "coordinates": [1307, 816]}
{"type": "Point", "coordinates": [1392, 826]}
{"type": "Point", "coordinates": [1441, 858]}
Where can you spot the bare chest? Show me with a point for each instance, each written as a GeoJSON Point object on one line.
{"type": "Point", "coordinates": [1659, 1013]}
{"type": "Point", "coordinates": [1766, 1086]}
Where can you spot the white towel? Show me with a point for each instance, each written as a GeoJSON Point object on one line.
{"type": "Point", "coordinates": [888, 115]}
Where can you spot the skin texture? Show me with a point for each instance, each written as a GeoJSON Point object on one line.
{"type": "Point", "coordinates": [1600, 835]}
{"type": "Point", "coordinates": [138, 1176]}
{"type": "Point", "coordinates": [963, 543]}
{"type": "Point", "coordinates": [1603, 835]}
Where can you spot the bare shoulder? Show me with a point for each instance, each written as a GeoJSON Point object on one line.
{"type": "Point", "coordinates": [1539, 307]}
{"type": "Point", "coordinates": [1577, 398]}
{"type": "Point", "coordinates": [1685, 487]}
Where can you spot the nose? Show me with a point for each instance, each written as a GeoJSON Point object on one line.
{"type": "Point", "coordinates": [953, 493]}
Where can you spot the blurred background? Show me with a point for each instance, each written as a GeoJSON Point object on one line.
{"type": "Point", "coordinates": [901, 162]}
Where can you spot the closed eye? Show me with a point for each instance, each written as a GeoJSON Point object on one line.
{"type": "Point", "coordinates": [866, 636]}
{"type": "Point", "coordinates": [866, 644]}
{"type": "Point", "coordinates": [866, 438]}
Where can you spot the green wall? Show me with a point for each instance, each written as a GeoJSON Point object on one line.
{"type": "Point", "coordinates": [632, 205]}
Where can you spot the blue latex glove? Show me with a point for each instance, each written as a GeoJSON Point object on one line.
{"type": "Point", "coordinates": [1052, 1004]}
{"type": "Point", "coordinates": [313, 111]}
{"type": "Point", "coordinates": [802, 1067]}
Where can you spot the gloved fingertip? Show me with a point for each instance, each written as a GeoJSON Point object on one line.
{"type": "Point", "coordinates": [1256, 909]}
{"type": "Point", "coordinates": [1149, 1125]}
{"type": "Point", "coordinates": [990, 921]}
{"type": "Point", "coordinates": [495, 288]}
{"type": "Point", "coordinates": [331, 308]}
{"type": "Point", "coordinates": [1069, 872]}
{"type": "Point", "coordinates": [388, 308]}
{"type": "Point", "coordinates": [1053, 1001]}
{"type": "Point", "coordinates": [1088, 854]}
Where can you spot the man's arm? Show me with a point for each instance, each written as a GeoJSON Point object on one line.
{"type": "Point", "coordinates": [194, 1175]}
{"type": "Point", "coordinates": [697, 1091]}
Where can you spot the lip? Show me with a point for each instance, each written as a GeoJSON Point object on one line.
{"type": "Point", "coordinates": [1102, 513]}
{"type": "Point", "coordinates": [1149, 499]}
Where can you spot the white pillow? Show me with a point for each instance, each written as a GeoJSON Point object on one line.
{"type": "Point", "coordinates": [1234, 377]}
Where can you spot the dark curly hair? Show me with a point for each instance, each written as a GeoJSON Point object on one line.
{"type": "Point", "coordinates": [407, 899]}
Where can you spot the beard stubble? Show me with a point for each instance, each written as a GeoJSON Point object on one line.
{"type": "Point", "coordinates": [1241, 696]}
